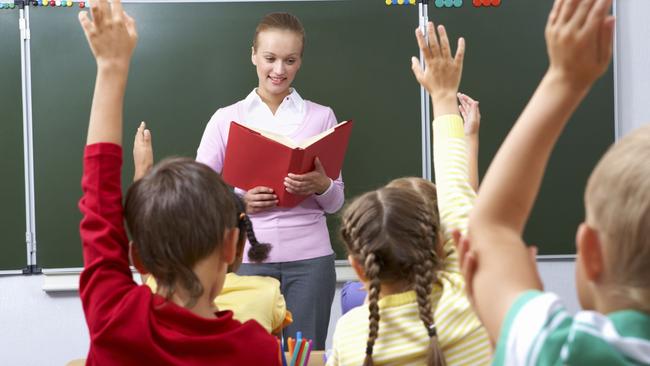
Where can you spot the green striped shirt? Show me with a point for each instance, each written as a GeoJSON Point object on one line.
{"type": "Point", "coordinates": [538, 330]}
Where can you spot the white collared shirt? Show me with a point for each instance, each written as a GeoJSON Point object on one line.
{"type": "Point", "coordinates": [287, 119]}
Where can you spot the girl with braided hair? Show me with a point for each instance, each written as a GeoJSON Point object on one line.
{"type": "Point", "coordinates": [390, 236]}
{"type": "Point", "coordinates": [249, 297]}
{"type": "Point", "coordinates": [352, 292]}
{"type": "Point", "coordinates": [400, 244]}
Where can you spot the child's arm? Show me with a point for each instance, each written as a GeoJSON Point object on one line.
{"type": "Point", "coordinates": [579, 41]}
{"type": "Point", "coordinates": [142, 152]}
{"type": "Point", "coordinates": [142, 162]}
{"type": "Point", "coordinates": [112, 37]}
{"type": "Point", "coordinates": [280, 315]}
{"type": "Point", "coordinates": [441, 79]}
{"type": "Point", "coordinates": [106, 277]}
{"type": "Point", "coordinates": [472, 120]}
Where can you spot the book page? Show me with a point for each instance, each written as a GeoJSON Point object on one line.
{"type": "Point", "coordinates": [284, 140]}
{"type": "Point", "coordinates": [276, 137]}
{"type": "Point", "coordinates": [304, 144]}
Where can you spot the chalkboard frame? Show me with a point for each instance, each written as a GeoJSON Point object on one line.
{"type": "Point", "coordinates": [407, 95]}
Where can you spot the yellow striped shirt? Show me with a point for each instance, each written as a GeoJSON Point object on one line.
{"type": "Point", "coordinates": [403, 339]}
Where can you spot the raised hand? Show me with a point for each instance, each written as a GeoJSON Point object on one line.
{"type": "Point", "coordinates": [112, 36]}
{"type": "Point", "coordinates": [142, 152]}
{"type": "Point", "coordinates": [579, 38]}
{"type": "Point", "coordinates": [443, 71]}
{"type": "Point", "coordinates": [111, 33]}
{"type": "Point", "coordinates": [471, 114]}
{"type": "Point", "coordinates": [306, 184]}
{"type": "Point", "coordinates": [472, 120]}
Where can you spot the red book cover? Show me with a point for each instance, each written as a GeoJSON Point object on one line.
{"type": "Point", "coordinates": [259, 158]}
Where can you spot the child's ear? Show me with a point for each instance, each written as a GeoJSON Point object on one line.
{"type": "Point", "coordinates": [253, 56]}
{"type": "Point", "coordinates": [229, 246]}
{"type": "Point", "coordinates": [134, 257]}
{"type": "Point", "coordinates": [591, 253]}
{"type": "Point", "coordinates": [358, 268]}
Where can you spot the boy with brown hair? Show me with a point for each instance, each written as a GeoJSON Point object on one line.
{"type": "Point", "coordinates": [249, 297]}
{"type": "Point", "coordinates": [183, 220]}
{"type": "Point", "coordinates": [613, 276]}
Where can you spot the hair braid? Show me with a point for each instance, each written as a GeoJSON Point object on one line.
{"type": "Point", "coordinates": [424, 278]}
{"type": "Point", "coordinates": [258, 252]}
{"type": "Point", "coordinates": [372, 270]}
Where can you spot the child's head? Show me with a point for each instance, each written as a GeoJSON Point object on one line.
{"type": "Point", "coordinates": [178, 215]}
{"type": "Point", "coordinates": [616, 233]}
{"type": "Point", "coordinates": [392, 234]}
{"type": "Point", "coordinates": [277, 50]}
{"type": "Point", "coordinates": [258, 252]}
{"type": "Point", "coordinates": [425, 188]}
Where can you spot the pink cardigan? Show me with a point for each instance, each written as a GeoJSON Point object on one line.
{"type": "Point", "coordinates": [296, 233]}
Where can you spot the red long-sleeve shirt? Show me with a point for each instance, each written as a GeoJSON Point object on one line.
{"type": "Point", "coordinates": [129, 325]}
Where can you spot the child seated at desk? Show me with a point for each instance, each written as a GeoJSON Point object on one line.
{"type": "Point", "coordinates": [400, 245]}
{"type": "Point", "coordinates": [353, 293]}
{"type": "Point", "coordinates": [528, 325]}
{"type": "Point", "coordinates": [186, 237]}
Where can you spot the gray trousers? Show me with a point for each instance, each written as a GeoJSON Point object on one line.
{"type": "Point", "coordinates": [308, 287]}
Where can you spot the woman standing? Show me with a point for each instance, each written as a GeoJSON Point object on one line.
{"type": "Point", "coordinates": [302, 258]}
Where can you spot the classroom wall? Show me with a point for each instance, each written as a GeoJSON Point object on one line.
{"type": "Point", "coordinates": [37, 328]}
{"type": "Point", "coordinates": [631, 64]}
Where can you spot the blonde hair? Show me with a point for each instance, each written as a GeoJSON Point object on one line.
{"type": "Point", "coordinates": [394, 234]}
{"type": "Point", "coordinates": [280, 21]}
{"type": "Point", "coordinates": [617, 201]}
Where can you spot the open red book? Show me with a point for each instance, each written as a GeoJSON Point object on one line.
{"type": "Point", "coordinates": [260, 158]}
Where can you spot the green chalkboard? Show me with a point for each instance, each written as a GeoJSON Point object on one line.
{"type": "Point", "coordinates": [194, 58]}
{"type": "Point", "coordinates": [13, 253]}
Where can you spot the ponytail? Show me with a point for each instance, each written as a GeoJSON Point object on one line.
{"type": "Point", "coordinates": [258, 252]}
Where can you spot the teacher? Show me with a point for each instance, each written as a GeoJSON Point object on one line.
{"type": "Point", "coordinates": [301, 257]}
